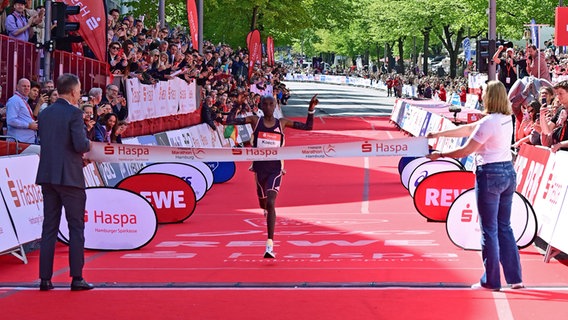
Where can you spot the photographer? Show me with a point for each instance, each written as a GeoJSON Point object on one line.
{"type": "Point", "coordinates": [89, 119]}
{"type": "Point", "coordinates": [507, 66]}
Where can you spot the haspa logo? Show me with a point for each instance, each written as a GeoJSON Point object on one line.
{"type": "Point", "coordinates": [23, 194]}
{"type": "Point", "coordinates": [237, 152]}
{"type": "Point", "coordinates": [366, 147]}
{"type": "Point", "coordinates": [436, 193]}
{"type": "Point", "coordinates": [109, 150]}
{"type": "Point", "coordinates": [173, 199]}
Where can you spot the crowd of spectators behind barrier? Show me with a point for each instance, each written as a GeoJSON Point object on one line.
{"type": "Point", "coordinates": [158, 53]}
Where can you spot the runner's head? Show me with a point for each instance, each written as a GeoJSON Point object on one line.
{"type": "Point", "coordinates": [267, 105]}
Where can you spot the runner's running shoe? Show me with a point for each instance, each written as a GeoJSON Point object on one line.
{"type": "Point", "coordinates": [269, 254]}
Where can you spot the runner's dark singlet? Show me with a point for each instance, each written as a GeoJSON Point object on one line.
{"type": "Point", "coordinates": [264, 137]}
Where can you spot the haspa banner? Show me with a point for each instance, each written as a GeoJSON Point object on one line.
{"type": "Point", "coordinates": [104, 152]}
{"type": "Point", "coordinates": [193, 25]}
{"type": "Point", "coordinates": [436, 193]}
{"type": "Point", "coordinates": [93, 20]}
{"type": "Point", "coordinates": [115, 219]}
{"type": "Point", "coordinates": [8, 239]}
{"type": "Point", "coordinates": [22, 196]}
{"type": "Point", "coordinates": [462, 224]}
{"type": "Point", "coordinates": [255, 51]}
{"type": "Point", "coordinates": [172, 197]}
{"type": "Point", "coordinates": [270, 51]}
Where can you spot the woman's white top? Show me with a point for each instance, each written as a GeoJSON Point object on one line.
{"type": "Point", "coordinates": [494, 133]}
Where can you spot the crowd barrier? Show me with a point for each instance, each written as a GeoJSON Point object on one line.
{"type": "Point", "coordinates": [21, 59]}
{"type": "Point", "coordinates": [541, 176]}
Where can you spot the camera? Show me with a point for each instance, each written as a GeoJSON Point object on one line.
{"type": "Point", "coordinates": [84, 99]}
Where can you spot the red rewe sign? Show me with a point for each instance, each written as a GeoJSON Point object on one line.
{"type": "Point", "coordinates": [436, 193]}
{"type": "Point", "coordinates": [172, 198]}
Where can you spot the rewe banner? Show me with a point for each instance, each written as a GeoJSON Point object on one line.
{"type": "Point", "coordinates": [172, 197]}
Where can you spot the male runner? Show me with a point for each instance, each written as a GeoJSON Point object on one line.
{"type": "Point", "coordinates": [269, 133]}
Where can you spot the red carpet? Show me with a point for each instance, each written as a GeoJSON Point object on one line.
{"type": "Point", "coordinates": [349, 245]}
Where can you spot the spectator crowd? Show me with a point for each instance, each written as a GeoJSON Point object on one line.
{"type": "Point", "coordinates": [158, 53]}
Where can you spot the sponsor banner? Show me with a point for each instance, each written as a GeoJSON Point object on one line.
{"type": "Point", "coordinates": [436, 193]}
{"type": "Point", "coordinates": [188, 173]}
{"type": "Point", "coordinates": [463, 227]}
{"type": "Point", "coordinates": [530, 232]}
{"type": "Point", "coordinates": [8, 239]}
{"type": "Point", "coordinates": [115, 219]}
{"type": "Point", "coordinates": [162, 139]}
{"type": "Point", "coordinates": [222, 171]}
{"type": "Point", "coordinates": [424, 170]}
{"type": "Point", "coordinates": [409, 169]}
{"type": "Point", "coordinates": [561, 26]}
{"type": "Point", "coordinates": [172, 198]}
{"type": "Point", "coordinates": [551, 195]}
{"type": "Point", "coordinates": [403, 162]}
{"type": "Point", "coordinates": [103, 152]}
{"type": "Point", "coordinates": [23, 198]}
{"type": "Point", "coordinates": [179, 138]}
{"type": "Point", "coordinates": [148, 140]}
{"type": "Point", "coordinates": [529, 165]}
{"type": "Point", "coordinates": [113, 172]}
{"type": "Point", "coordinates": [166, 98]}
{"type": "Point", "coordinates": [206, 170]}
{"type": "Point", "coordinates": [92, 176]}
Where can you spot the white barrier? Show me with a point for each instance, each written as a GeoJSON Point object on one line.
{"type": "Point", "coordinates": [21, 213]}
{"type": "Point", "coordinates": [165, 98]}
{"type": "Point", "coordinates": [541, 176]}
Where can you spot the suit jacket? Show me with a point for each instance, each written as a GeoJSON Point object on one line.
{"type": "Point", "coordinates": [63, 141]}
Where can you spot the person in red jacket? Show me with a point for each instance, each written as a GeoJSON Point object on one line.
{"type": "Point", "coordinates": [442, 92]}
{"type": "Point", "coordinates": [463, 95]}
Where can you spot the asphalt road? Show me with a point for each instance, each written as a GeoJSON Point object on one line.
{"type": "Point", "coordinates": [337, 100]}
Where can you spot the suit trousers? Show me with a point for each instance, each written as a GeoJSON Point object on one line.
{"type": "Point", "coordinates": [56, 197]}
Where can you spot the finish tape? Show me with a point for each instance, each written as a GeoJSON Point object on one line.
{"type": "Point", "coordinates": [405, 147]}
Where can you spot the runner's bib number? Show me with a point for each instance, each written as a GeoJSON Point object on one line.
{"type": "Point", "coordinates": [268, 140]}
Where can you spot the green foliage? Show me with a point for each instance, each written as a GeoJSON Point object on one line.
{"type": "Point", "coordinates": [355, 27]}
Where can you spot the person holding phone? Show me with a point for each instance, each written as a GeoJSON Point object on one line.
{"type": "Point", "coordinates": [269, 133]}
{"type": "Point", "coordinates": [116, 58]}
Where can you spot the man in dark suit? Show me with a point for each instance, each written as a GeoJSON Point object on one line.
{"type": "Point", "coordinates": [63, 141]}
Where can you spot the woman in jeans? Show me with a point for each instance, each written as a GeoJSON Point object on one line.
{"type": "Point", "coordinates": [495, 185]}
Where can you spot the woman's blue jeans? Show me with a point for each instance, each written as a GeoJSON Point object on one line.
{"type": "Point", "coordinates": [495, 186]}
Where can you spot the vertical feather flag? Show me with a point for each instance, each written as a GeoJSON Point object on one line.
{"type": "Point", "coordinates": [193, 26]}
{"type": "Point", "coordinates": [270, 51]}
{"type": "Point", "coordinates": [255, 50]}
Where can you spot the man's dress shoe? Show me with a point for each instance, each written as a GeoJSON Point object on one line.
{"type": "Point", "coordinates": [80, 285]}
{"type": "Point", "coordinates": [45, 285]}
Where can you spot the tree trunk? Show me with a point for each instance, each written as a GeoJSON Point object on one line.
{"type": "Point", "coordinates": [426, 50]}
{"type": "Point", "coordinates": [254, 18]}
{"type": "Point", "coordinates": [401, 53]}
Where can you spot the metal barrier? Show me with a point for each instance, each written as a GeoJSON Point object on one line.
{"type": "Point", "coordinates": [20, 59]}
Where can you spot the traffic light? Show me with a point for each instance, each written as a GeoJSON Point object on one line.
{"type": "Point", "coordinates": [482, 55]}
{"type": "Point", "coordinates": [60, 12]}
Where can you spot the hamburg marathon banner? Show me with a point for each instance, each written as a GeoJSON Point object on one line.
{"type": "Point", "coordinates": [104, 152]}
{"type": "Point", "coordinates": [92, 19]}
{"type": "Point", "coordinates": [193, 25]}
